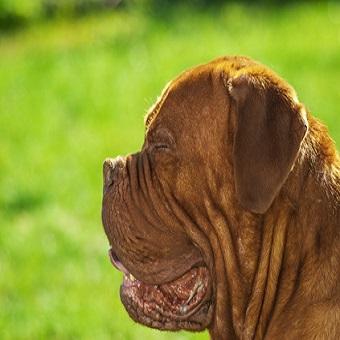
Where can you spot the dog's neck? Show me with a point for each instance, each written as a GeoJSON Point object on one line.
{"type": "Point", "coordinates": [275, 251]}
{"type": "Point", "coordinates": [314, 181]}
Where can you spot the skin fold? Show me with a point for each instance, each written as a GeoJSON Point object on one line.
{"type": "Point", "coordinates": [229, 216]}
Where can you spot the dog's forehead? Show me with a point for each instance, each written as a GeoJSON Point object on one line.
{"type": "Point", "coordinates": [186, 85]}
{"type": "Point", "coordinates": [196, 84]}
{"type": "Point", "coordinates": [154, 109]}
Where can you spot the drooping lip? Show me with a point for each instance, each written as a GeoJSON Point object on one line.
{"type": "Point", "coordinates": [184, 303]}
{"type": "Point", "coordinates": [116, 262]}
{"type": "Point", "coordinates": [128, 278]}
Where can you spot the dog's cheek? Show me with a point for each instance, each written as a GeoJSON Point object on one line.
{"type": "Point", "coordinates": [166, 167]}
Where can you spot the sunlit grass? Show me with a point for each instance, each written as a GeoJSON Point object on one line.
{"type": "Point", "coordinates": [75, 92]}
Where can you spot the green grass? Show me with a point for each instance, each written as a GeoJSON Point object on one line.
{"type": "Point", "coordinates": [74, 92]}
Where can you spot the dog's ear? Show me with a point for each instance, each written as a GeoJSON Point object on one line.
{"type": "Point", "coordinates": [270, 127]}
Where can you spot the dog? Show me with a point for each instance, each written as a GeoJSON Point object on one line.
{"type": "Point", "coordinates": [229, 216]}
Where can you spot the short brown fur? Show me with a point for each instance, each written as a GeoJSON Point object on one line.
{"type": "Point", "coordinates": [252, 180]}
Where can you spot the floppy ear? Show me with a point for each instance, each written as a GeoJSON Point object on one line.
{"type": "Point", "coordinates": [270, 127]}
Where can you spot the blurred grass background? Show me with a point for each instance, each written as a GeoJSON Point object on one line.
{"type": "Point", "coordinates": [75, 83]}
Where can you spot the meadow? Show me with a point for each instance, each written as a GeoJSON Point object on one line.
{"type": "Point", "coordinates": [75, 91]}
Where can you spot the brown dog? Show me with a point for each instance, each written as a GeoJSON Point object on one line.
{"type": "Point", "coordinates": [229, 217]}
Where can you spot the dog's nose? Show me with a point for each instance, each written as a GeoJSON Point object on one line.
{"type": "Point", "coordinates": [109, 169]}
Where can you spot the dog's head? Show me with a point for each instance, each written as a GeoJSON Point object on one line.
{"type": "Point", "coordinates": [222, 135]}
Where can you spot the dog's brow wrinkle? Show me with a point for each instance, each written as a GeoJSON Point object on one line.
{"type": "Point", "coordinates": [152, 112]}
{"type": "Point", "coordinates": [154, 109]}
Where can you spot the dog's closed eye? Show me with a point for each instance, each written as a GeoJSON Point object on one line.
{"type": "Point", "coordinates": [161, 146]}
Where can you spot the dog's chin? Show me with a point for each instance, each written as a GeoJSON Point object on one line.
{"type": "Point", "coordinates": [183, 303]}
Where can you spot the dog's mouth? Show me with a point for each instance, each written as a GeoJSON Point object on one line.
{"type": "Point", "coordinates": [183, 303]}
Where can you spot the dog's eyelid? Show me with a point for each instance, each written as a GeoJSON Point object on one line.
{"type": "Point", "coordinates": [161, 146]}
{"type": "Point", "coordinates": [162, 139]}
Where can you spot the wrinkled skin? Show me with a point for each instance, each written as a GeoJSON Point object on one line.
{"type": "Point", "coordinates": [221, 221]}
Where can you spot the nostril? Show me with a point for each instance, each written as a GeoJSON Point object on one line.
{"type": "Point", "coordinates": [109, 167]}
{"type": "Point", "coordinates": [107, 172]}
